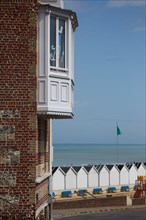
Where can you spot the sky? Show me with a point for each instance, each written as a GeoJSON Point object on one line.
{"type": "Point", "coordinates": [110, 72]}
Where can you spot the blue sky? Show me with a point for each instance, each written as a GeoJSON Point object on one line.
{"type": "Point", "coordinates": [109, 73]}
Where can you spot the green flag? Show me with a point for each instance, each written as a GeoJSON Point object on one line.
{"type": "Point", "coordinates": [118, 131]}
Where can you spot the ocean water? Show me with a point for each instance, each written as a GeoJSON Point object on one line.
{"type": "Point", "coordinates": [81, 154]}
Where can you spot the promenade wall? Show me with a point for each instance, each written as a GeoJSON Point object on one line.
{"type": "Point", "coordinates": [88, 203]}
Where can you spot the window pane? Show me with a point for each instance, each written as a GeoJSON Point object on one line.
{"type": "Point", "coordinates": [61, 47]}
{"type": "Point", "coordinates": [53, 41]}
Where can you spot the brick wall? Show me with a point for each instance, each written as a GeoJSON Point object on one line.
{"type": "Point", "coordinates": [41, 193]}
{"type": "Point", "coordinates": [43, 145]}
{"type": "Point", "coordinates": [42, 165]}
{"type": "Point", "coordinates": [18, 118]}
{"type": "Point", "coordinates": [87, 203]}
{"type": "Point", "coordinates": [138, 201]}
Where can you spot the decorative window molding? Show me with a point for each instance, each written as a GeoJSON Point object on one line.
{"type": "Point", "coordinates": [58, 43]}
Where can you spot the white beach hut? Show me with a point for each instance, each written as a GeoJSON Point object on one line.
{"type": "Point", "coordinates": [124, 174]}
{"type": "Point", "coordinates": [58, 179]}
{"type": "Point", "coordinates": [132, 173]}
{"type": "Point", "coordinates": [114, 175]}
{"type": "Point", "coordinates": [103, 175]}
{"type": "Point", "coordinates": [70, 178]}
{"type": "Point", "coordinates": [141, 169]}
{"type": "Point", "coordinates": [82, 176]}
{"type": "Point", "coordinates": [92, 176]}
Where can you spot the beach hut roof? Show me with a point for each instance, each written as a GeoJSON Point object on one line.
{"type": "Point", "coordinates": [77, 168]}
{"type": "Point", "coordinates": [96, 168]}
{"type": "Point", "coordinates": [99, 167]}
{"type": "Point", "coordinates": [129, 165]}
{"type": "Point", "coordinates": [88, 168]}
{"type": "Point", "coordinates": [54, 169]}
{"type": "Point", "coordinates": [137, 165]}
{"type": "Point", "coordinates": [120, 166]}
{"type": "Point", "coordinates": [65, 169]}
{"type": "Point", "coordinates": [57, 168]}
{"type": "Point", "coordinates": [109, 166]}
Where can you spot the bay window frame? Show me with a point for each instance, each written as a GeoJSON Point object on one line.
{"type": "Point", "coordinates": [66, 57]}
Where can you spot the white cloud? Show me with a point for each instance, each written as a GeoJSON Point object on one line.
{"type": "Point", "coordinates": [81, 103]}
{"type": "Point", "coordinates": [125, 3]}
{"type": "Point", "coordinates": [138, 29]}
{"type": "Point", "coordinates": [76, 4]}
{"type": "Point", "coordinates": [112, 59]}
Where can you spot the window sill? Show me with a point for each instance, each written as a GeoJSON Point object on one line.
{"type": "Point", "coordinates": [42, 178]}
{"type": "Point", "coordinates": [58, 69]}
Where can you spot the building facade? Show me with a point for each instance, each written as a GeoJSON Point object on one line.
{"type": "Point", "coordinates": [36, 86]}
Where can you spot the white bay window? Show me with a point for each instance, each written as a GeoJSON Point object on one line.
{"type": "Point", "coordinates": [56, 61]}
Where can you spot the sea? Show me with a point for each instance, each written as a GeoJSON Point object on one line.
{"type": "Point", "coordinates": [94, 154]}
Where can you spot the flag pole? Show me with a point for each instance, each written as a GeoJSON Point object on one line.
{"type": "Point", "coordinates": [117, 143]}
{"type": "Point", "coordinates": [118, 133]}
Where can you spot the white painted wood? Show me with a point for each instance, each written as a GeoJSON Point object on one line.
{"type": "Point", "coordinates": [93, 178]}
{"type": "Point", "coordinates": [71, 179]}
{"type": "Point", "coordinates": [141, 170]}
{"type": "Point", "coordinates": [42, 91]}
{"type": "Point", "coordinates": [114, 176]}
{"type": "Point", "coordinates": [124, 176]}
{"type": "Point", "coordinates": [55, 85]}
{"type": "Point", "coordinates": [64, 92]}
{"type": "Point", "coordinates": [56, 3]}
{"type": "Point", "coordinates": [132, 174]}
{"type": "Point", "coordinates": [58, 180]}
{"type": "Point", "coordinates": [54, 91]}
{"type": "Point", "coordinates": [104, 177]}
{"type": "Point", "coordinates": [82, 178]}
{"type": "Point", "coordinates": [42, 56]}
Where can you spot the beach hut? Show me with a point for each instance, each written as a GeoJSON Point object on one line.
{"type": "Point", "coordinates": [132, 173]}
{"type": "Point", "coordinates": [141, 169]}
{"type": "Point", "coordinates": [92, 176]}
{"type": "Point", "coordinates": [114, 175]}
{"type": "Point", "coordinates": [70, 178]}
{"type": "Point", "coordinates": [124, 174]}
{"type": "Point", "coordinates": [82, 176]}
{"type": "Point", "coordinates": [58, 179]}
{"type": "Point", "coordinates": [103, 175]}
